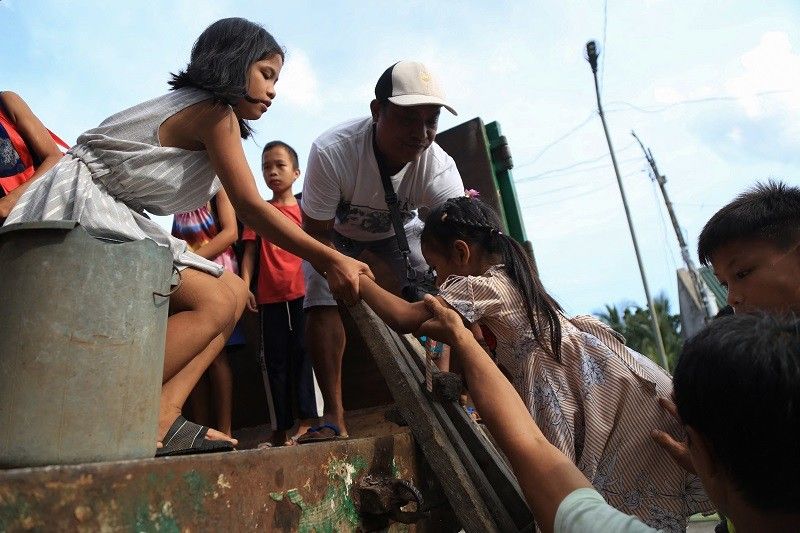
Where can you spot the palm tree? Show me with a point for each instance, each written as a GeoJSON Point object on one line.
{"type": "Point", "coordinates": [634, 325]}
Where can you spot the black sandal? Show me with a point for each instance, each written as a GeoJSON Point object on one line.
{"type": "Point", "coordinates": [185, 438]}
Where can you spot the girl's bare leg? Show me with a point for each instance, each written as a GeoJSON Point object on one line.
{"type": "Point", "coordinates": [222, 391]}
{"type": "Point", "coordinates": [199, 403]}
{"type": "Point", "coordinates": [205, 310]}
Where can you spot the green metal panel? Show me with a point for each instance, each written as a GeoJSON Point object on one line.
{"type": "Point", "coordinates": [468, 145]}
{"type": "Point", "coordinates": [501, 167]}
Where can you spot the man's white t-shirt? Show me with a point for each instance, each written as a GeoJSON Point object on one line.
{"type": "Point", "coordinates": [342, 182]}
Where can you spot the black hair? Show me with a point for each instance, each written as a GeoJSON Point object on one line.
{"type": "Point", "coordinates": [737, 383]}
{"type": "Point", "coordinates": [472, 221]}
{"type": "Point", "coordinates": [221, 58]}
{"type": "Point", "coordinates": [280, 144]}
{"type": "Point", "coordinates": [769, 211]}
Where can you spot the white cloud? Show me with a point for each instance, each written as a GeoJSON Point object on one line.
{"type": "Point", "coordinates": [298, 82]}
{"type": "Point", "coordinates": [735, 135]}
{"type": "Point", "coordinates": [770, 66]}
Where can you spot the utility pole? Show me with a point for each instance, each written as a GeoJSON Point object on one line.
{"type": "Point", "coordinates": [591, 56]}
{"type": "Point", "coordinates": [709, 306]}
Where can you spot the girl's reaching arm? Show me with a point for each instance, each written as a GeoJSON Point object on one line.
{"type": "Point", "coordinates": [400, 315]}
{"type": "Point", "coordinates": [226, 222]}
{"type": "Point", "coordinates": [218, 130]}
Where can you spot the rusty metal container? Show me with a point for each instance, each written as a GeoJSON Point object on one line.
{"type": "Point", "coordinates": [82, 332]}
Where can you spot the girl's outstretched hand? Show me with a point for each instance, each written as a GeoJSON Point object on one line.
{"type": "Point", "coordinates": [342, 273]}
{"type": "Point", "coordinates": [445, 325]}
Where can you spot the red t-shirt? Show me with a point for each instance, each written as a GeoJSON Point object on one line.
{"type": "Point", "coordinates": [280, 275]}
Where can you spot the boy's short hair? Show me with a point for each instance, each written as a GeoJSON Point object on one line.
{"type": "Point", "coordinates": [280, 144]}
{"type": "Point", "coordinates": [737, 383]}
{"type": "Point", "coordinates": [769, 211]}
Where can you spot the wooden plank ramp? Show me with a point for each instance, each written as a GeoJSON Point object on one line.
{"type": "Point", "coordinates": [475, 478]}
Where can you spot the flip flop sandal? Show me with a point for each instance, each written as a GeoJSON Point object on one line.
{"type": "Point", "coordinates": [309, 437]}
{"type": "Point", "coordinates": [185, 438]}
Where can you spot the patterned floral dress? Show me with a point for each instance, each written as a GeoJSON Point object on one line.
{"type": "Point", "coordinates": [197, 228]}
{"type": "Point", "coordinates": [597, 405]}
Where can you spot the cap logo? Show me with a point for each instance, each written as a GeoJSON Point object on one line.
{"type": "Point", "coordinates": [424, 77]}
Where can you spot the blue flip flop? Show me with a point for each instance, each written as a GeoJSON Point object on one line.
{"type": "Point", "coordinates": [309, 436]}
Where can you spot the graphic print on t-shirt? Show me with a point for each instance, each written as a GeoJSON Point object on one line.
{"type": "Point", "coordinates": [371, 220]}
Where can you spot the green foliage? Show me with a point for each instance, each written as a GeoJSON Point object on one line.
{"type": "Point", "coordinates": [634, 324]}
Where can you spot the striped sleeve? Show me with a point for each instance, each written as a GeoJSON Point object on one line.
{"type": "Point", "coordinates": [473, 296]}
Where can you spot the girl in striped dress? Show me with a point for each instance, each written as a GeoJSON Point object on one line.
{"type": "Point", "coordinates": [593, 398]}
{"type": "Point", "coordinates": [170, 155]}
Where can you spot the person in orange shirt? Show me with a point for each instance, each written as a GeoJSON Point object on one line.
{"type": "Point", "coordinates": [279, 296]}
{"type": "Point", "coordinates": [27, 149]}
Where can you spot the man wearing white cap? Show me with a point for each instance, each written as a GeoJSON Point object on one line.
{"type": "Point", "coordinates": [344, 205]}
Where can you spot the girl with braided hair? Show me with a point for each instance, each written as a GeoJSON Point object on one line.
{"type": "Point", "coordinates": [593, 398]}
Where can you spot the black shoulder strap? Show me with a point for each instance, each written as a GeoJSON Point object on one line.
{"type": "Point", "coordinates": [394, 207]}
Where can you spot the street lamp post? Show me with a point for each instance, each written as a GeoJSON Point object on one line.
{"type": "Point", "coordinates": [591, 56]}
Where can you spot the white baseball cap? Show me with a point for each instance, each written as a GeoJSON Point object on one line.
{"type": "Point", "coordinates": [408, 83]}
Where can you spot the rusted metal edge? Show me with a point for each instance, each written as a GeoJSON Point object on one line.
{"type": "Point", "coordinates": [299, 488]}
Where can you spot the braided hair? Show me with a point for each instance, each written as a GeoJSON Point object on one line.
{"type": "Point", "coordinates": [472, 221]}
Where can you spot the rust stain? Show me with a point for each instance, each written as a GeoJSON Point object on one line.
{"type": "Point", "coordinates": [81, 482]}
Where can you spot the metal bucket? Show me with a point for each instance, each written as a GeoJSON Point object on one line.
{"type": "Point", "coordinates": [82, 332]}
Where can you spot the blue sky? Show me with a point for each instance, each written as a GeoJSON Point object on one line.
{"type": "Point", "coordinates": [712, 87]}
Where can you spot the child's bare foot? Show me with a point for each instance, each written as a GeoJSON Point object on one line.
{"type": "Point", "coordinates": [214, 434]}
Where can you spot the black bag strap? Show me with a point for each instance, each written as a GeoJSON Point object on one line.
{"type": "Point", "coordinates": [393, 204]}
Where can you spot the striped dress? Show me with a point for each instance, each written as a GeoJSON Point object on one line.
{"type": "Point", "coordinates": [118, 171]}
{"type": "Point", "coordinates": [597, 405]}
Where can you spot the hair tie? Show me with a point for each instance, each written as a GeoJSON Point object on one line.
{"type": "Point", "coordinates": [471, 193]}
{"type": "Point", "coordinates": [444, 216]}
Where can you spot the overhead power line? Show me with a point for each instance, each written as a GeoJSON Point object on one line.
{"type": "Point", "coordinates": [573, 196]}
{"type": "Point", "coordinates": [650, 109]}
{"type": "Point", "coordinates": [659, 109]}
{"type": "Point", "coordinates": [565, 136]}
{"type": "Point", "coordinates": [557, 172]}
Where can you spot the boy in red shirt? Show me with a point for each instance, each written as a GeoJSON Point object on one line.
{"type": "Point", "coordinates": [279, 295]}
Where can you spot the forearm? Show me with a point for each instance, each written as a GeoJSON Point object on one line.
{"type": "Point", "coordinates": [323, 236]}
{"type": "Point", "coordinates": [218, 244]}
{"type": "Point", "coordinates": [546, 475]}
{"type": "Point", "coordinates": [400, 315]}
{"type": "Point", "coordinates": [248, 262]}
{"type": "Point", "coordinates": [268, 222]}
